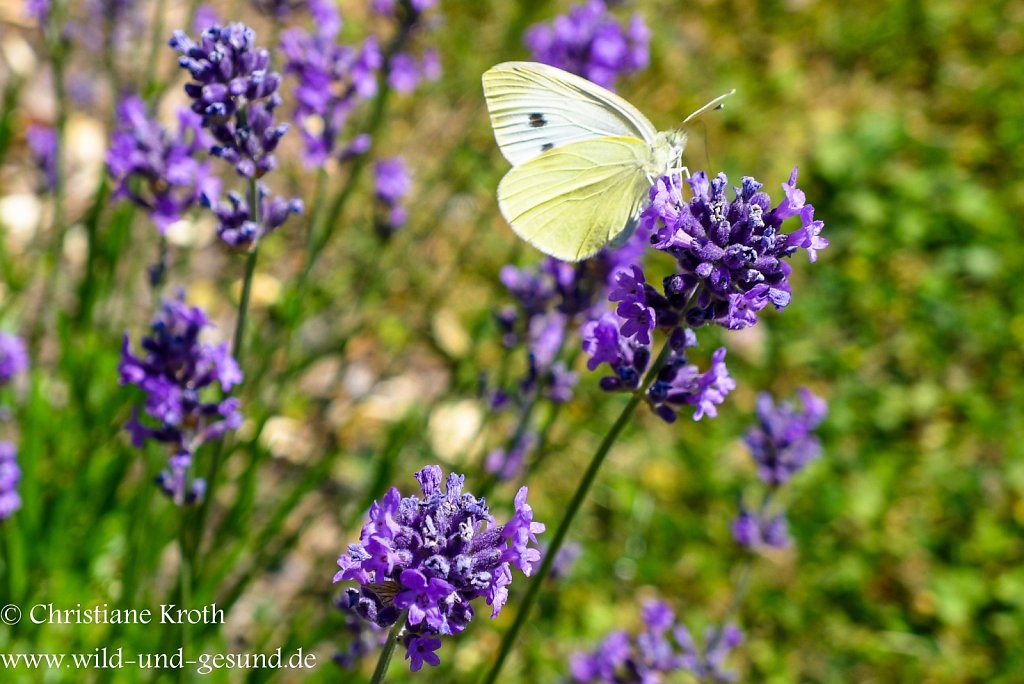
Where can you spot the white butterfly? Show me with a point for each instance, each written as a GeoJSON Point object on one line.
{"type": "Point", "coordinates": [583, 159]}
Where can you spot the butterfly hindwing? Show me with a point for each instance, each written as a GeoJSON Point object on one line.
{"type": "Point", "coordinates": [570, 201]}
{"type": "Point", "coordinates": [535, 107]}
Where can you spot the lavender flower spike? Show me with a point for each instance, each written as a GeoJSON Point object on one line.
{"type": "Point", "coordinates": [392, 183]}
{"type": "Point", "coordinates": [13, 357]}
{"type": "Point", "coordinates": [235, 92]}
{"type": "Point", "coordinates": [783, 441]}
{"type": "Point", "coordinates": [156, 170]}
{"type": "Point", "coordinates": [432, 557]}
{"type": "Point", "coordinates": [175, 373]}
{"type": "Point", "coordinates": [662, 648]}
{"type": "Point", "coordinates": [10, 474]}
{"type": "Point", "coordinates": [731, 253]}
{"type": "Point", "coordinates": [589, 42]}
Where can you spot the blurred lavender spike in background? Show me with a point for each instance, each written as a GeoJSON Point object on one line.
{"type": "Point", "coordinates": [13, 357]}
{"type": "Point", "coordinates": [588, 41]}
{"type": "Point", "coordinates": [783, 441]}
{"type": "Point", "coordinates": [177, 374]}
{"type": "Point", "coordinates": [159, 171]}
{"type": "Point", "coordinates": [10, 475]}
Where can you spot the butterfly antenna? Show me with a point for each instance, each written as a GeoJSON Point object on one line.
{"type": "Point", "coordinates": [707, 150]}
{"type": "Point", "coordinates": [714, 104]}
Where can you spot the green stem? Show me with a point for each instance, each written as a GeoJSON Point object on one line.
{"type": "Point", "coordinates": [573, 508]}
{"type": "Point", "coordinates": [236, 352]}
{"type": "Point", "coordinates": [243, 306]}
{"type": "Point", "coordinates": [157, 41]}
{"type": "Point", "coordinates": [185, 577]}
{"type": "Point", "coordinates": [57, 56]}
{"type": "Point", "coordinates": [15, 566]}
{"type": "Point", "coordinates": [389, 650]}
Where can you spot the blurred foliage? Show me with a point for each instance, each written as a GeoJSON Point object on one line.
{"type": "Point", "coordinates": [905, 119]}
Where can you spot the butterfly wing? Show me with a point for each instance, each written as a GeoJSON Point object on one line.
{"type": "Point", "coordinates": [535, 107]}
{"type": "Point", "coordinates": [570, 201]}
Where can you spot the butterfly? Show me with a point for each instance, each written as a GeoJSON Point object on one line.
{"type": "Point", "coordinates": [583, 159]}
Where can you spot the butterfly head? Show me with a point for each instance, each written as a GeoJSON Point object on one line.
{"type": "Point", "coordinates": [666, 152]}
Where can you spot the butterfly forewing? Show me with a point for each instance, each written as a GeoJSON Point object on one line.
{"type": "Point", "coordinates": [572, 200]}
{"type": "Point", "coordinates": [535, 108]}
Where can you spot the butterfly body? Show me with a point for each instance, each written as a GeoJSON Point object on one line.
{"type": "Point", "coordinates": [583, 159]}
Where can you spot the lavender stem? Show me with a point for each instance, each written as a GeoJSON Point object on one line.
{"type": "Point", "coordinates": [575, 504]}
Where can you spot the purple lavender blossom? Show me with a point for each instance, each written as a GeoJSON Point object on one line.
{"type": "Point", "coordinates": [589, 42]}
{"type": "Point", "coordinates": [39, 10]}
{"type": "Point", "coordinates": [783, 441]}
{"type": "Point", "coordinates": [332, 80]}
{"type": "Point", "coordinates": [42, 140]}
{"type": "Point", "coordinates": [432, 557]}
{"type": "Point", "coordinates": [13, 357]}
{"type": "Point", "coordinates": [392, 184]}
{"type": "Point", "coordinates": [175, 372]}
{"type": "Point", "coordinates": [678, 383]}
{"type": "Point", "coordinates": [235, 92]}
{"type": "Point", "coordinates": [364, 637]}
{"type": "Point", "coordinates": [235, 225]}
{"type": "Point", "coordinates": [709, 664]}
{"type": "Point", "coordinates": [156, 170]}
{"type": "Point", "coordinates": [755, 531]}
{"type": "Point", "coordinates": [10, 475]}
{"type": "Point", "coordinates": [206, 15]}
{"type": "Point", "coordinates": [661, 648]}
{"type": "Point", "coordinates": [730, 254]}
{"type": "Point", "coordinates": [506, 463]}
{"type": "Point", "coordinates": [565, 559]}
{"type": "Point", "coordinates": [729, 258]}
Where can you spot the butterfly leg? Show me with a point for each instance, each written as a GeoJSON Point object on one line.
{"type": "Point", "coordinates": [680, 169]}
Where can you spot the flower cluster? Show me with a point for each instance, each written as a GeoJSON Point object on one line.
{"type": "Point", "coordinates": [781, 444]}
{"type": "Point", "coordinates": [589, 42]}
{"type": "Point", "coordinates": [506, 462]}
{"type": "Point", "coordinates": [333, 79]}
{"type": "Point", "coordinates": [42, 140]}
{"type": "Point", "coordinates": [13, 357]}
{"type": "Point", "coordinates": [178, 373]}
{"type": "Point", "coordinates": [39, 10]}
{"type": "Point", "coordinates": [235, 223]}
{"type": "Point", "coordinates": [729, 266]}
{"type": "Point", "coordinates": [364, 637]}
{"type": "Point", "coordinates": [783, 441]}
{"type": "Point", "coordinates": [392, 183]}
{"type": "Point", "coordinates": [615, 340]}
{"type": "Point", "coordinates": [403, 69]}
{"type": "Point", "coordinates": [234, 90]}
{"type": "Point", "coordinates": [430, 558]}
{"type": "Point", "coordinates": [13, 361]}
{"type": "Point", "coordinates": [10, 475]}
{"type": "Point", "coordinates": [663, 646]}
{"type": "Point", "coordinates": [730, 253]}
{"type": "Point", "coordinates": [155, 169]}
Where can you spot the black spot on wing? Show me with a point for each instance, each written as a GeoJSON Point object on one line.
{"type": "Point", "coordinates": [537, 120]}
{"type": "Point", "coordinates": [546, 146]}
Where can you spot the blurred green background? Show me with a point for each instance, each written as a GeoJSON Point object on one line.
{"type": "Point", "coordinates": [907, 122]}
